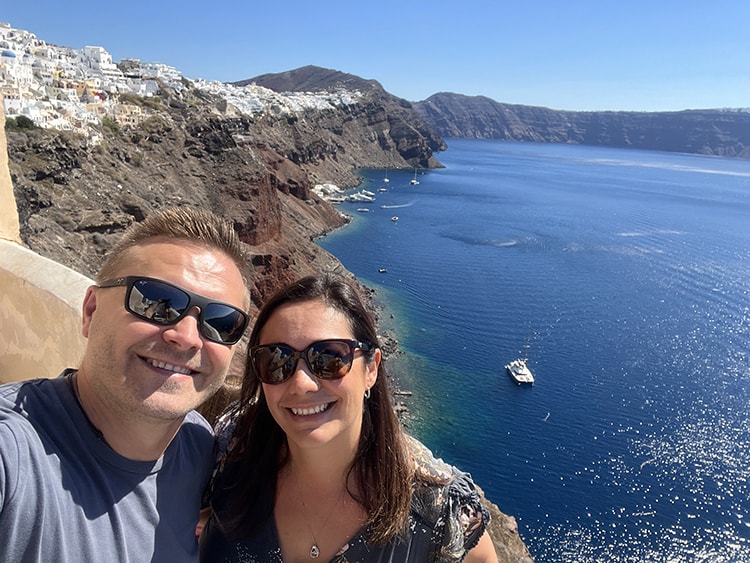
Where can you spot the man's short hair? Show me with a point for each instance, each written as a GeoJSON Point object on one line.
{"type": "Point", "coordinates": [188, 224]}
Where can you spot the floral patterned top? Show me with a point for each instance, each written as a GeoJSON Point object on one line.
{"type": "Point", "coordinates": [445, 522]}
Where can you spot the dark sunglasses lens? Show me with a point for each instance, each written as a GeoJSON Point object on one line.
{"type": "Point", "coordinates": [222, 323]}
{"type": "Point", "coordinates": [274, 364]}
{"type": "Point", "coordinates": [157, 302]}
{"type": "Point", "coordinates": [330, 359]}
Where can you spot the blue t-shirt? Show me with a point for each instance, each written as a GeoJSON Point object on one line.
{"type": "Point", "coordinates": [66, 496]}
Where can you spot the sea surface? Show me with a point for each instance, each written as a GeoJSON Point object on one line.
{"type": "Point", "coordinates": [628, 272]}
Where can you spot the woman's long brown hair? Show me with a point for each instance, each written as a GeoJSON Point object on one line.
{"type": "Point", "coordinates": [382, 467]}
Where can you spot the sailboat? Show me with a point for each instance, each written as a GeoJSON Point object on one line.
{"type": "Point", "coordinates": [519, 370]}
{"type": "Point", "coordinates": [414, 180]}
{"type": "Point", "coordinates": [386, 180]}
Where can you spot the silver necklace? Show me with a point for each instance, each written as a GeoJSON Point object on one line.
{"type": "Point", "coordinates": [314, 549]}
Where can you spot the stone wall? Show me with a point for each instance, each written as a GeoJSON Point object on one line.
{"type": "Point", "coordinates": [40, 300]}
{"type": "Point", "coordinates": [9, 228]}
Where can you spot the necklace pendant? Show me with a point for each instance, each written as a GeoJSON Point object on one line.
{"type": "Point", "coordinates": [314, 551]}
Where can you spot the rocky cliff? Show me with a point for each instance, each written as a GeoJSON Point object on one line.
{"type": "Point", "coordinates": [397, 129]}
{"type": "Point", "coordinates": [76, 194]}
{"type": "Point", "coordinates": [712, 132]}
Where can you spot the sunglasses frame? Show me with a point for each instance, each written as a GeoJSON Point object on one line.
{"type": "Point", "coordinates": [194, 300]}
{"type": "Point", "coordinates": [298, 355]}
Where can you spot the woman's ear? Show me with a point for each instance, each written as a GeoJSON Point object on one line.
{"type": "Point", "coordinates": [372, 368]}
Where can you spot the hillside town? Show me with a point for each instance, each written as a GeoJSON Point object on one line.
{"type": "Point", "coordinates": [72, 89]}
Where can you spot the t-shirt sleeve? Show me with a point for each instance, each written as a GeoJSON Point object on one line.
{"type": "Point", "coordinates": [9, 462]}
{"type": "Point", "coordinates": [4, 451]}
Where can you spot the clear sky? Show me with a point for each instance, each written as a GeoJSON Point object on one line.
{"type": "Point", "coordinates": [645, 55]}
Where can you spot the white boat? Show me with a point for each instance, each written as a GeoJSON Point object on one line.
{"type": "Point", "coordinates": [363, 209]}
{"type": "Point", "coordinates": [520, 372]}
{"type": "Point", "coordinates": [394, 218]}
{"type": "Point", "coordinates": [414, 180]}
{"type": "Point", "coordinates": [386, 180]}
{"type": "Point", "coordinates": [361, 197]}
{"type": "Point", "coordinates": [518, 369]}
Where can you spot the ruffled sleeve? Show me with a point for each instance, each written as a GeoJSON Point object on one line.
{"type": "Point", "coordinates": [466, 517]}
{"type": "Point", "coordinates": [224, 430]}
{"type": "Point", "coordinates": [454, 507]}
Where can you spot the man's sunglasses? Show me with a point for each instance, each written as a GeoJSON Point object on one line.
{"type": "Point", "coordinates": [327, 359]}
{"type": "Point", "coordinates": [162, 303]}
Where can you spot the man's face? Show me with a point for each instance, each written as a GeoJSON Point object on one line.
{"type": "Point", "coordinates": [137, 368]}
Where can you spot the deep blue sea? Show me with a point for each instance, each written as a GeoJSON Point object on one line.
{"type": "Point", "coordinates": [629, 272]}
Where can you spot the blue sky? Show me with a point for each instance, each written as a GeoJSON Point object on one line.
{"type": "Point", "coordinates": [577, 54]}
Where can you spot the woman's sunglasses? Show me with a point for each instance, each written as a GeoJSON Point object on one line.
{"type": "Point", "coordinates": [162, 303]}
{"type": "Point", "coordinates": [327, 359]}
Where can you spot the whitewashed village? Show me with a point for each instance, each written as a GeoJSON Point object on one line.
{"type": "Point", "coordinates": [72, 89]}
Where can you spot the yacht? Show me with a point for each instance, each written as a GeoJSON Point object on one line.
{"type": "Point", "coordinates": [518, 369]}
{"type": "Point", "coordinates": [414, 180]}
{"type": "Point", "coordinates": [520, 372]}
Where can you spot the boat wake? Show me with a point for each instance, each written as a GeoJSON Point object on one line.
{"type": "Point", "coordinates": [398, 206]}
{"type": "Point", "coordinates": [482, 242]}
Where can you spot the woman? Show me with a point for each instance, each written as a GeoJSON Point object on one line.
{"type": "Point", "coordinates": [316, 464]}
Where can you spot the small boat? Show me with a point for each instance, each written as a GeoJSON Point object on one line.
{"type": "Point", "coordinates": [386, 180]}
{"type": "Point", "coordinates": [518, 369]}
{"type": "Point", "coordinates": [414, 181]}
{"type": "Point", "coordinates": [394, 218]}
{"type": "Point", "coordinates": [363, 209]}
{"type": "Point", "coordinates": [382, 270]}
{"type": "Point", "coordinates": [382, 189]}
{"type": "Point", "coordinates": [520, 372]}
{"type": "Point", "coordinates": [363, 196]}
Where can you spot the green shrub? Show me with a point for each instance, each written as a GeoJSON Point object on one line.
{"type": "Point", "coordinates": [20, 122]}
{"type": "Point", "coordinates": [111, 124]}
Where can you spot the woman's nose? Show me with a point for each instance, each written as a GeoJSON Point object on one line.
{"type": "Point", "coordinates": [302, 379]}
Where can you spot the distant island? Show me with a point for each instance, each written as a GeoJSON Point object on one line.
{"type": "Point", "coordinates": [721, 132]}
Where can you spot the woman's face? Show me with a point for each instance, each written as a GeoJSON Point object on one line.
{"type": "Point", "coordinates": [317, 412]}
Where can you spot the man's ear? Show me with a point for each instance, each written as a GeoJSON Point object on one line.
{"type": "Point", "coordinates": [87, 312]}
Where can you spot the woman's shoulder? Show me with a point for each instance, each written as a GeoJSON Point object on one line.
{"type": "Point", "coordinates": [428, 467]}
{"type": "Point", "coordinates": [446, 497]}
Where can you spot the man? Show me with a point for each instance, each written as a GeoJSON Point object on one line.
{"type": "Point", "coordinates": [108, 462]}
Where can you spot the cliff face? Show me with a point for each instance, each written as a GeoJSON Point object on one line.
{"type": "Point", "coordinates": [76, 195]}
{"type": "Point", "coordinates": [393, 127]}
{"type": "Point", "coordinates": [74, 198]}
{"type": "Point", "coordinates": [714, 132]}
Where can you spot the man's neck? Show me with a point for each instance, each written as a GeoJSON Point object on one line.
{"type": "Point", "coordinates": [130, 435]}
